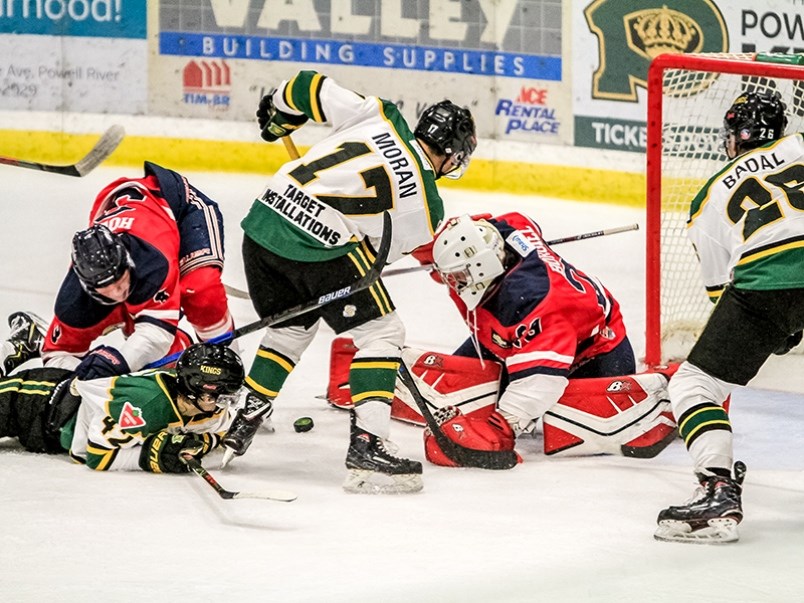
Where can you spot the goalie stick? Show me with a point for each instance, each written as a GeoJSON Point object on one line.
{"type": "Point", "coordinates": [198, 469]}
{"type": "Point", "coordinates": [105, 146]}
{"type": "Point", "coordinates": [367, 280]}
{"type": "Point", "coordinates": [463, 456]}
{"type": "Point", "coordinates": [240, 294]}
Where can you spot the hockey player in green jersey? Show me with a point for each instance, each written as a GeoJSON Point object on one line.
{"type": "Point", "coordinates": [747, 225]}
{"type": "Point", "coordinates": [312, 231]}
{"type": "Point", "coordinates": [146, 420]}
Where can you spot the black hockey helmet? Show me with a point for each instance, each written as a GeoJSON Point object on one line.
{"type": "Point", "coordinates": [208, 368]}
{"type": "Point", "coordinates": [99, 257]}
{"type": "Point", "coordinates": [450, 130]}
{"type": "Point", "coordinates": [755, 118]}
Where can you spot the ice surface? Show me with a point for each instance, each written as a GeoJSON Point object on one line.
{"type": "Point", "coordinates": [548, 530]}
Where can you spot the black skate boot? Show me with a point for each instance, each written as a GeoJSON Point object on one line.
{"type": "Point", "coordinates": [711, 516]}
{"type": "Point", "coordinates": [245, 425]}
{"type": "Point", "coordinates": [26, 337]}
{"type": "Point", "coordinates": [373, 469]}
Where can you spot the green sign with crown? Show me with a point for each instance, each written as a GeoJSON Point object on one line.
{"type": "Point", "coordinates": [630, 34]}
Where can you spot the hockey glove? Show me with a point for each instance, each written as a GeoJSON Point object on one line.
{"type": "Point", "coordinates": [789, 343]}
{"type": "Point", "coordinates": [103, 361]}
{"type": "Point", "coordinates": [274, 124]}
{"type": "Point", "coordinates": [162, 452]}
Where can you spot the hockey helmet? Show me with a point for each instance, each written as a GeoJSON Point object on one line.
{"type": "Point", "coordinates": [754, 119]}
{"type": "Point", "coordinates": [207, 368]}
{"type": "Point", "coordinates": [469, 255]}
{"type": "Point", "coordinates": [450, 130]}
{"type": "Point", "coordinates": [99, 257]}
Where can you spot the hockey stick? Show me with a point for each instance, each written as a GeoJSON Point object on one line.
{"type": "Point", "coordinates": [240, 294]}
{"type": "Point", "coordinates": [105, 146]}
{"type": "Point", "coordinates": [290, 147]}
{"type": "Point", "coordinates": [277, 495]}
{"type": "Point", "coordinates": [367, 280]}
{"type": "Point", "coordinates": [463, 456]}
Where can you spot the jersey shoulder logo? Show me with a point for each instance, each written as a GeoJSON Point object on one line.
{"type": "Point", "coordinates": [161, 296]}
{"type": "Point", "coordinates": [130, 417]}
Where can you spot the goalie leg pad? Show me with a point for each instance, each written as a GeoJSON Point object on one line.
{"type": "Point", "coordinates": [491, 432]}
{"type": "Point", "coordinates": [443, 379]}
{"type": "Point", "coordinates": [627, 415]}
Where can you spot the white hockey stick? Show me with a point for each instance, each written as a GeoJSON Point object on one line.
{"type": "Point", "coordinates": [105, 146]}
{"type": "Point", "coordinates": [240, 294]}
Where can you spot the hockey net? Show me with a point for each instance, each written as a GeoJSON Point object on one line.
{"type": "Point", "coordinates": [687, 98]}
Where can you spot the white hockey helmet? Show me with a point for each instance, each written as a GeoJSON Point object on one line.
{"type": "Point", "coordinates": [468, 255]}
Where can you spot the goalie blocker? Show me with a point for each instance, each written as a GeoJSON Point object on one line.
{"type": "Point", "coordinates": [628, 415]}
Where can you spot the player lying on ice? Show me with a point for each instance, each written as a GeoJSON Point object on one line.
{"type": "Point", "coordinates": [146, 421]}
{"type": "Point", "coordinates": [547, 336]}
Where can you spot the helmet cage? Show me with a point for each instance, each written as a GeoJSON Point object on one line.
{"type": "Point", "coordinates": [468, 256]}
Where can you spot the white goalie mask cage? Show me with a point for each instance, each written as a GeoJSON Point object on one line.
{"type": "Point", "coordinates": [468, 255]}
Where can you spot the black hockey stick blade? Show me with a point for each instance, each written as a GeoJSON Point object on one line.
{"type": "Point", "coordinates": [372, 275]}
{"type": "Point", "coordinates": [198, 469]}
{"type": "Point", "coordinates": [105, 146]}
{"type": "Point", "coordinates": [461, 455]}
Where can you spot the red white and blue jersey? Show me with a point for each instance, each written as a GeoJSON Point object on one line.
{"type": "Point", "coordinates": [543, 316]}
{"type": "Point", "coordinates": [135, 208]}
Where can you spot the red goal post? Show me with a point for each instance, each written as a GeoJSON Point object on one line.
{"type": "Point", "coordinates": [688, 95]}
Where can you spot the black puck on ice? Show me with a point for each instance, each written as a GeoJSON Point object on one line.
{"type": "Point", "coordinates": [303, 424]}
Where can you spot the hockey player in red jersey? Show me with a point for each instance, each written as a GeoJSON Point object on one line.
{"type": "Point", "coordinates": [154, 248]}
{"type": "Point", "coordinates": [551, 325]}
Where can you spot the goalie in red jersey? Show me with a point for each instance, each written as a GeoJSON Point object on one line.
{"type": "Point", "coordinates": [154, 249]}
{"type": "Point", "coordinates": [560, 336]}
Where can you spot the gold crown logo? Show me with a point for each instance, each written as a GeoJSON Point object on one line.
{"type": "Point", "coordinates": [657, 31]}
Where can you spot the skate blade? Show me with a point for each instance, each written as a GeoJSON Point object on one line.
{"type": "Point", "coordinates": [717, 531]}
{"type": "Point", "coordinates": [362, 481]}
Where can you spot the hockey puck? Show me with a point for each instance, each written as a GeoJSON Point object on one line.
{"type": "Point", "coordinates": [303, 424]}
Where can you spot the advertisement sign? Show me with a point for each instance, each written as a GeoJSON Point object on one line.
{"type": "Point", "coordinates": [613, 42]}
{"type": "Point", "coordinates": [501, 59]}
{"type": "Point", "coordinates": [73, 55]}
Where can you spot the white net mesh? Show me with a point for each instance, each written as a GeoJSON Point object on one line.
{"type": "Point", "coordinates": [694, 103]}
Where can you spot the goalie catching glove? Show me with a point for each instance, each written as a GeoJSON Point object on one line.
{"type": "Point", "coordinates": [487, 432]}
{"type": "Point", "coordinates": [275, 124]}
{"type": "Point", "coordinates": [162, 452]}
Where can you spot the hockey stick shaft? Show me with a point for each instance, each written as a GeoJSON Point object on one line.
{"type": "Point", "coordinates": [463, 456]}
{"type": "Point", "coordinates": [372, 276]}
{"type": "Point", "coordinates": [579, 237]}
{"type": "Point", "coordinates": [104, 147]}
{"type": "Point", "coordinates": [240, 294]}
{"type": "Point", "coordinates": [290, 147]}
{"type": "Point", "coordinates": [198, 469]}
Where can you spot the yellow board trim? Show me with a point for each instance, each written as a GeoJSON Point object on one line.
{"type": "Point", "coordinates": [560, 182]}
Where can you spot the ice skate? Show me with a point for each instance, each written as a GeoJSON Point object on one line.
{"type": "Point", "coordinates": [373, 469]}
{"type": "Point", "coordinates": [712, 514]}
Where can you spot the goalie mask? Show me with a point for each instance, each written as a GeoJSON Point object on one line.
{"type": "Point", "coordinates": [754, 119]}
{"type": "Point", "coordinates": [99, 259]}
{"type": "Point", "coordinates": [207, 370]}
{"type": "Point", "coordinates": [450, 130]}
{"type": "Point", "coordinates": [468, 255]}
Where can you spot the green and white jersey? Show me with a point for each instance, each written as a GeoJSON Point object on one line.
{"type": "Point", "coordinates": [117, 414]}
{"type": "Point", "coordinates": [320, 206]}
{"type": "Point", "coordinates": [747, 223]}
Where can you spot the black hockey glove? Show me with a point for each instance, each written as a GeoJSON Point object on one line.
{"type": "Point", "coordinates": [245, 425]}
{"type": "Point", "coordinates": [103, 361]}
{"type": "Point", "coordinates": [162, 452]}
{"type": "Point", "coordinates": [789, 343]}
{"type": "Point", "coordinates": [274, 124]}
